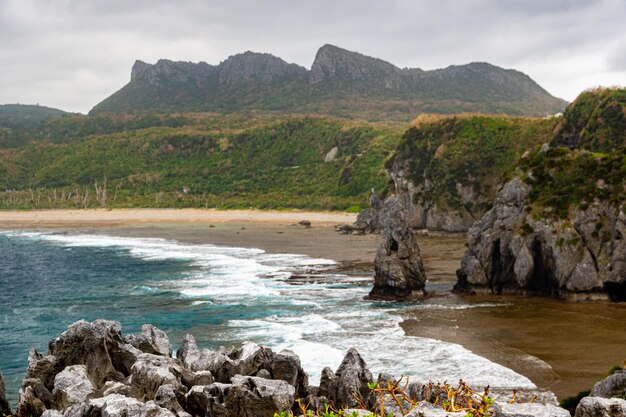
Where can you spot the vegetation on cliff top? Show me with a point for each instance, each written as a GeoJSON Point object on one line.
{"type": "Point", "coordinates": [586, 160]}
{"type": "Point", "coordinates": [445, 155]}
{"type": "Point", "coordinates": [209, 163]}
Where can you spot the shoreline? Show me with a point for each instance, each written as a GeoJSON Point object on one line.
{"type": "Point", "coordinates": [525, 326]}
{"type": "Point", "coordinates": [71, 217]}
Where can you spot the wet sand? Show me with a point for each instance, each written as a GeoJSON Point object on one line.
{"type": "Point", "coordinates": [564, 347]}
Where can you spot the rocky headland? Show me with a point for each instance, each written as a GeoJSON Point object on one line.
{"type": "Point", "coordinates": [558, 226]}
{"type": "Point", "coordinates": [92, 369]}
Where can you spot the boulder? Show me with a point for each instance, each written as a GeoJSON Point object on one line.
{"type": "Point", "coordinates": [119, 406]}
{"type": "Point", "coordinates": [189, 352]}
{"type": "Point", "coordinates": [5, 409]}
{"type": "Point", "coordinates": [503, 409]}
{"type": "Point", "coordinates": [352, 377]}
{"type": "Point", "coordinates": [99, 346]}
{"type": "Point", "coordinates": [258, 397]}
{"type": "Point", "coordinates": [601, 407]}
{"type": "Point", "coordinates": [245, 396]}
{"type": "Point", "coordinates": [168, 397]}
{"type": "Point", "coordinates": [613, 385]}
{"type": "Point", "coordinates": [151, 340]}
{"type": "Point", "coordinates": [287, 367]}
{"type": "Point", "coordinates": [34, 398]}
{"type": "Point", "coordinates": [71, 386]}
{"type": "Point", "coordinates": [150, 372]}
{"type": "Point", "coordinates": [398, 266]}
{"type": "Point", "coordinates": [43, 368]}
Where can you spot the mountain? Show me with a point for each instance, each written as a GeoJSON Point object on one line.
{"type": "Point", "coordinates": [21, 123]}
{"type": "Point", "coordinates": [28, 111]}
{"type": "Point", "coordinates": [340, 83]}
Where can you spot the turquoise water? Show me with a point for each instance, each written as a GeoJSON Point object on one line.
{"type": "Point", "coordinates": [222, 295]}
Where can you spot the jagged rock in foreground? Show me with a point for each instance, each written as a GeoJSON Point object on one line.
{"type": "Point", "coordinates": [601, 407]}
{"type": "Point", "coordinates": [5, 409]}
{"type": "Point", "coordinates": [398, 267]}
{"type": "Point", "coordinates": [94, 371]}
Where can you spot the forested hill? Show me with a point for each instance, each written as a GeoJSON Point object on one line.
{"type": "Point", "coordinates": [340, 83]}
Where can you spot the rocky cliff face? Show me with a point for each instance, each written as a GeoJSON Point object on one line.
{"type": "Point", "coordinates": [558, 227]}
{"type": "Point", "coordinates": [340, 82]}
{"type": "Point", "coordinates": [254, 66]}
{"type": "Point", "coordinates": [5, 409]}
{"type": "Point", "coordinates": [510, 252]}
{"type": "Point", "coordinates": [446, 169]}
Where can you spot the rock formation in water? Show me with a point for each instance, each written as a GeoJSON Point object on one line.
{"type": "Point", "coordinates": [559, 226]}
{"type": "Point", "coordinates": [398, 266]}
{"type": "Point", "coordinates": [92, 370]}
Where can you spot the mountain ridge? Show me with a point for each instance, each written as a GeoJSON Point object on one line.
{"type": "Point", "coordinates": [339, 82]}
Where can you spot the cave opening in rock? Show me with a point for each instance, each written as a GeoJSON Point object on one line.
{"type": "Point", "coordinates": [496, 265]}
{"type": "Point", "coordinates": [501, 273]}
{"type": "Point", "coordinates": [543, 279]}
{"type": "Point", "coordinates": [616, 291]}
{"type": "Point", "coordinates": [394, 246]}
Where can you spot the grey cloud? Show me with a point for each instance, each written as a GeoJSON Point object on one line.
{"type": "Point", "coordinates": [78, 52]}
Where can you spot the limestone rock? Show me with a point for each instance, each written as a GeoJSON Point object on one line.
{"type": "Point", "coordinates": [72, 386]}
{"type": "Point", "coordinates": [120, 406]}
{"type": "Point", "coordinates": [352, 376]}
{"type": "Point", "coordinates": [286, 366]}
{"type": "Point", "coordinates": [580, 257]}
{"type": "Point", "coordinates": [150, 372]}
{"type": "Point", "coordinates": [99, 346]}
{"type": "Point", "coordinates": [151, 340]}
{"type": "Point", "coordinates": [398, 266]}
{"type": "Point", "coordinates": [503, 409]}
{"type": "Point", "coordinates": [5, 409]}
{"type": "Point", "coordinates": [612, 386]}
{"type": "Point", "coordinates": [601, 407]}
{"type": "Point", "coordinates": [189, 352]}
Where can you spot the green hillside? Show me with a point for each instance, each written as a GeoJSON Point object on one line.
{"type": "Point", "coordinates": [19, 123]}
{"type": "Point", "coordinates": [455, 163]}
{"type": "Point", "coordinates": [586, 160]}
{"type": "Point", "coordinates": [340, 83]}
{"type": "Point", "coordinates": [274, 164]}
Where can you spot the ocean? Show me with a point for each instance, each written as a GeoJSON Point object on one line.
{"type": "Point", "coordinates": [223, 296]}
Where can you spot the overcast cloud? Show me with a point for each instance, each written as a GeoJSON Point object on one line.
{"type": "Point", "coordinates": [71, 54]}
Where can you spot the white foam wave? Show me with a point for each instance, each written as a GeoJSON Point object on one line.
{"type": "Point", "coordinates": [319, 321]}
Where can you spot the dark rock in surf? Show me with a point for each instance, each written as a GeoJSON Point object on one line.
{"type": "Point", "coordinates": [398, 266]}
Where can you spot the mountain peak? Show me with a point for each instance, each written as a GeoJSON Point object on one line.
{"type": "Point", "coordinates": [333, 61]}
{"type": "Point", "coordinates": [253, 65]}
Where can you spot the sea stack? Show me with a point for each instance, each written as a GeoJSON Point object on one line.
{"type": "Point", "coordinates": [398, 266]}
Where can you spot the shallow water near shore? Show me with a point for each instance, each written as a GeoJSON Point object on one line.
{"type": "Point", "coordinates": [225, 295]}
{"type": "Point", "coordinates": [221, 295]}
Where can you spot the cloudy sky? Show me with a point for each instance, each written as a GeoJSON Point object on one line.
{"type": "Point", "coordinates": [71, 54]}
